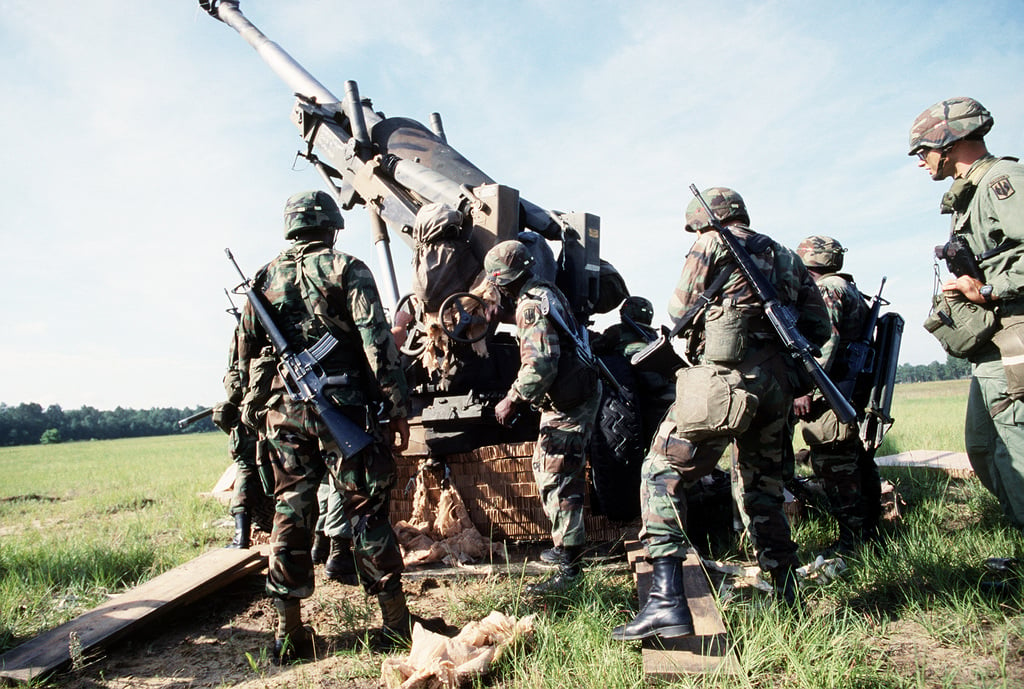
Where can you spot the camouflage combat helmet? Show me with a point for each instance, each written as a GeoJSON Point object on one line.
{"type": "Point", "coordinates": [725, 203]}
{"type": "Point", "coordinates": [947, 122]}
{"type": "Point", "coordinates": [506, 262]}
{"type": "Point", "coordinates": [819, 251]}
{"type": "Point", "coordinates": [638, 309]}
{"type": "Point", "coordinates": [311, 211]}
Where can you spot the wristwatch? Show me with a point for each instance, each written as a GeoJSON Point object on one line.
{"type": "Point", "coordinates": [986, 292]}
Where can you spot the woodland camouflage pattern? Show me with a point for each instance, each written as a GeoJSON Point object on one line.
{"type": "Point", "coordinates": [842, 466]}
{"type": "Point", "coordinates": [725, 203]}
{"type": "Point", "coordinates": [311, 210]}
{"type": "Point", "coordinates": [549, 362]}
{"type": "Point", "coordinates": [765, 448]}
{"type": "Point", "coordinates": [314, 290]}
{"type": "Point", "coordinates": [949, 121]}
{"type": "Point", "coordinates": [822, 252]}
{"type": "Point", "coordinates": [242, 440]}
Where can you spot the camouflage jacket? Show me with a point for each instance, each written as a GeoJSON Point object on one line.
{"type": "Point", "coordinates": [541, 345]}
{"type": "Point", "coordinates": [783, 268]}
{"type": "Point", "coordinates": [313, 290]}
{"type": "Point", "coordinates": [996, 214]}
{"type": "Point", "coordinates": [235, 380]}
{"type": "Point", "coordinates": [847, 311]}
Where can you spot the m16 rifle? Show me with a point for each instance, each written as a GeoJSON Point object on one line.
{"type": "Point", "coordinates": [198, 416]}
{"type": "Point", "coordinates": [781, 317]}
{"type": "Point", "coordinates": [304, 377]}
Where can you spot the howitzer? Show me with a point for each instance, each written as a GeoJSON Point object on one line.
{"type": "Point", "coordinates": [860, 354]}
{"type": "Point", "coordinates": [198, 416]}
{"type": "Point", "coordinates": [303, 375]}
{"type": "Point", "coordinates": [781, 317]}
{"type": "Point", "coordinates": [877, 418]}
{"type": "Point", "coordinates": [395, 165]}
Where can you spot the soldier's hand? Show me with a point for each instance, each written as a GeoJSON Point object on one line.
{"type": "Point", "coordinates": [802, 406]}
{"type": "Point", "coordinates": [398, 427]}
{"type": "Point", "coordinates": [966, 285]}
{"type": "Point", "coordinates": [505, 411]}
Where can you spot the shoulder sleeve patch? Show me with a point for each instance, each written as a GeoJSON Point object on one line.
{"type": "Point", "coordinates": [529, 315]}
{"type": "Point", "coordinates": [1002, 187]}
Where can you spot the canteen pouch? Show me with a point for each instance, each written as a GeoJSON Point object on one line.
{"type": "Point", "coordinates": [711, 402]}
{"type": "Point", "coordinates": [725, 333]}
{"type": "Point", "coordinates": [575, 383]}
{"type": "Point", "coordinates": [822, 427]}
{"type": "Point", "coordinates": [959, 325]}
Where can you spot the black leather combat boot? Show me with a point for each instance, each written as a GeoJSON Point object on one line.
{"type": "Point", "coordinates": [292, 641]}
{"type": "Point", "coordinates": [243, 527]}
{"type": "Point", "coordinates": [569, 573]}
{"type": "Point", "coordinates": [554, 556]}
{"type": "Point", "coordinates": [667, 612]}
{"type": "Point", "coordinates": [340, 566]}
{"type": "Point", "coordinates": [321, 548]}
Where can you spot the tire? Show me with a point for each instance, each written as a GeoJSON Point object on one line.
{"type": "Point", "coordinates": [617, 448]}
{"type": "Point", "coordinates": [262, 511]}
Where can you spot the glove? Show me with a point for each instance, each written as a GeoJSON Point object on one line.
{"type": "Point", "coordinates": [225, 416]}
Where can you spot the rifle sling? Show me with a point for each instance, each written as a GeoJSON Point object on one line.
{"type": "Point", "coordinates": [702, 301]}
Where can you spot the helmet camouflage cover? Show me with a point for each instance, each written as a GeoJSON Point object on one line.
{"type": "Point", "coordinates": [949, 121]}
{"type": "Point", "coordinates": [638, 309]}
{"type": "Point", "coordinates": [819, 251]}
{"type": "Point", "coordinates": [310, 211]}
{"type": "Point", "coordinates": [506, 262]}
{"type": "Point", "coordinates": [725, 203]}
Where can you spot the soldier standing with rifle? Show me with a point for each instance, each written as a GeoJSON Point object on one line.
{"type": "Point", "coordinates": [748, 385]}
{"type": "Point", "coordinates": [325, 303]}
{"type": "Point", "coordinates": [848, 473]}
{"type": "Point", "coordinates": [554, 377]}
{"type": "Point", "coordinates": [986, 250]}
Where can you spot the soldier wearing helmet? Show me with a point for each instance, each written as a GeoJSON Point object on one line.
{"type": "Point", "coordinates": [847, 472]}
{"type": "Point", "coordinates": [555, 378]}
{"type": "Point", "coordinates": [733, 338]}
{"type": "Point", "coordinates": [314, 290]}
{"type": "Point", "coordinates": [986, 205]}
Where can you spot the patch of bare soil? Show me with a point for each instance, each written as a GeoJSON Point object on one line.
{"type": "Point", "coordinates": [225, 640]}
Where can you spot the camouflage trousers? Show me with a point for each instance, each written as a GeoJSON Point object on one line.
{"type": "Point", "coordinates": [363, 482]}
{"type": "Point", "coordinates": [242, 444]}
{"type": "Point", "coordinates": [764, 457]}
{"type": "Point", "coordinates": [559, 463]}
{"type": "Point", "coordinates": [331, 514]}
{"type": "Point", "coordinates": [995, 445]}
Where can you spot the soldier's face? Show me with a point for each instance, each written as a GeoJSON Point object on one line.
{"type": "Point", "coordinates": [934, 161]}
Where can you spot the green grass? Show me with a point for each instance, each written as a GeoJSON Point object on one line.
{"type": "Point", "coordinates": [80, 520]}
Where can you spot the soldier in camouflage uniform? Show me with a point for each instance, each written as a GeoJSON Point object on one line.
{"type": "Point", "coordinates": [313, 290]}
{"type": "Point", "coordinates": [848, 473]}
{"type": "Point", "coordinates": [986, 205]}
{"type": "Point", "coordinates": [242, 444]}
{"type": "Point", "coordinates": [555, 379]}
{"type": "Point", "coordinates": [755, 354]}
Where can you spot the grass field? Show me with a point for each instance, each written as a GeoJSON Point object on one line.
{"type": "Point", "coordinates": [80, 520]}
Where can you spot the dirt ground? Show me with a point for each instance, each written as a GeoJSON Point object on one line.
{"type": "Point", "coordinates": [224, 640]}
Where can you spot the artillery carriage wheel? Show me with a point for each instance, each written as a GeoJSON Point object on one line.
{"type": "Point", "coordinates": [417, 337]}
{"type": "Point", "coordinates": [457, 317]}
{"type": "Point", "coordinates": [617, 447]}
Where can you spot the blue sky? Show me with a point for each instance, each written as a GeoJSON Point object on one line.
{"type": "Point", "coordinates": [140, 139]}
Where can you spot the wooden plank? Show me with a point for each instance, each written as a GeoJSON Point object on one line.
{"type": "Point", "coordinates": [106, 623]}
{"type": "Point", "coordinates": [708, 650]}
{"type": "Point", "coordinates": [955, 463]}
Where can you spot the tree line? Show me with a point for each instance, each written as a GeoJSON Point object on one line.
{"type": "Point", "coordinates": [30, 424]}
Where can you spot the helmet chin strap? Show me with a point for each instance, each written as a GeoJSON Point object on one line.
{"type": "Point", "coordinates": [940, 166]}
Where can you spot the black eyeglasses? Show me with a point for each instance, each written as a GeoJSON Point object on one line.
{"type": "Point", "coordinates": [922, 153]}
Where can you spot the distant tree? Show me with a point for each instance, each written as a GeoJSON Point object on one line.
{"type": "Point", "coordinates": [50, 435]}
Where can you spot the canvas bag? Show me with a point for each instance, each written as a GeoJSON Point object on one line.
{"type": "Point", "coordinates": [960, 326]}
{"type": "Point", "coordinates": [711, 401]}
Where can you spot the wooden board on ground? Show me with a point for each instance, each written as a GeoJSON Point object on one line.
{"type": "Point", "coordinates": [51, 651]}
{"type": "Point", "coordinates": [954, 463]}
{"type": "Point", "coordinates": [708, 650]}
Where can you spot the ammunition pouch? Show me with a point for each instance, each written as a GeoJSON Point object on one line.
{"type": "Point", "coordinates": [960, 326]}
{"type": "Point", "coordinates": [1010, 341]}
{"type": "Point", "coordinates": [822, 427]}
{"type": "Point", "coordinates": [711, 401]}
{"type": "Point", "coordinates": [575, 383]}
{"type": "Point", "coordinates": [725, 333]}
